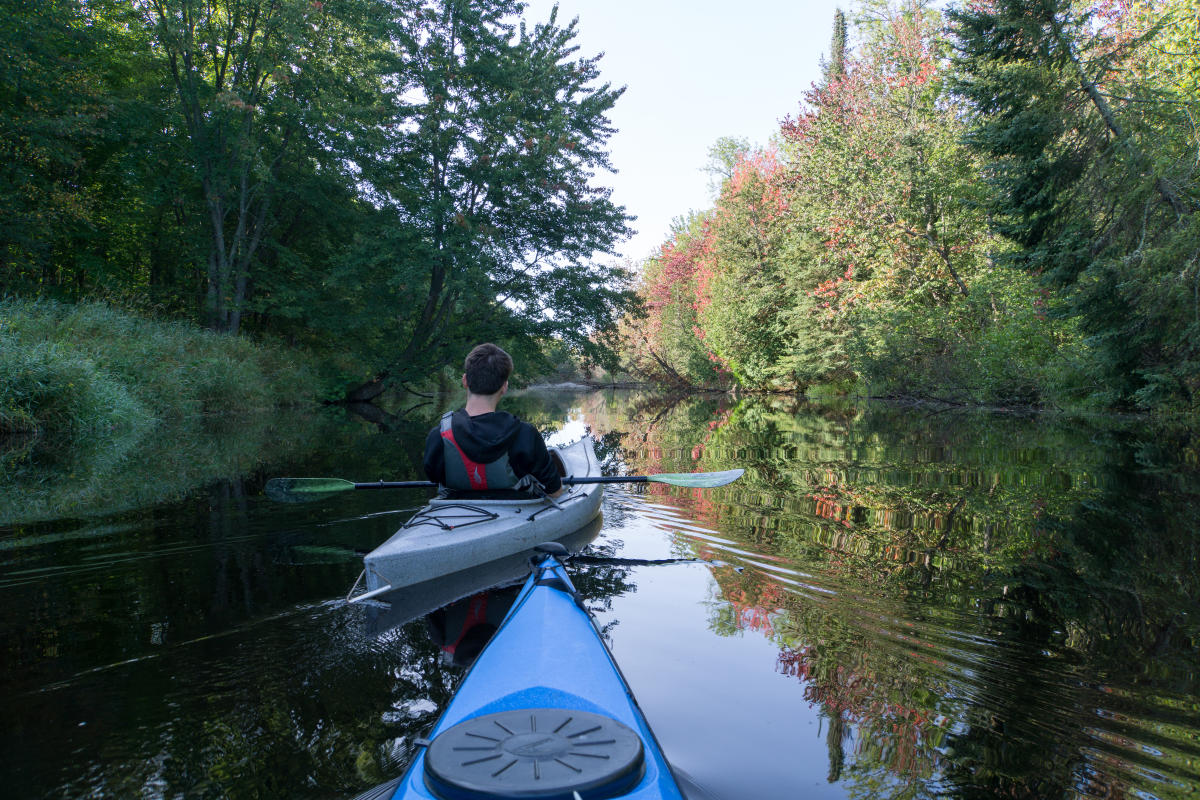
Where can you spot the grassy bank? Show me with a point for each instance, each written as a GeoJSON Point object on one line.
{"type": "Point", "coordinates": [73, 370]}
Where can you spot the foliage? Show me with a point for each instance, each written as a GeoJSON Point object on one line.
{"type": "Point", "coordinates": [1089, 150]}
{"type": "Point", "coordinates": [875, 243]}
{"type": "Point", "coordinates": [712, 292]}
{"type": "Point", "coordinates": [858, 249]}
{"type": "Point", "coordinates": [740, 285]}
{"type": "Point", "coordinates": [87, 368]}
{"type": "Point", "coordinates": [249, 165]}
{"type": "Point", "coordinates": [660, 340]}
{"type": "Point", "coordinates": [52, 125]}
{"type": "Point", "coordinates": [896, 287]}
{"type": "Point", "coordinates": [259, 90]}
{"type": "Point", "coordinates": [484, 176]}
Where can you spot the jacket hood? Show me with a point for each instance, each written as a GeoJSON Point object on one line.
{"type": "Point", "coordinates": [484, 437]}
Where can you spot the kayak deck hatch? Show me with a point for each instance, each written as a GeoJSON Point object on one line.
{"type": "Point", "coordinates": [536, 752]}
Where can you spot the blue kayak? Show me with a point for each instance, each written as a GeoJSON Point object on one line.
{"type": "Point", "coordinates": [543, 713]}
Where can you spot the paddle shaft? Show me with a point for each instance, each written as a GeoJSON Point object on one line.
{"type": "Point", "coordinates": [303, 490]}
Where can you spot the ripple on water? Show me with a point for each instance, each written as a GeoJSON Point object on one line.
{"type": "Point", "coordinates": [977, 674]}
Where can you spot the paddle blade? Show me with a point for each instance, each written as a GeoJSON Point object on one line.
{"type": "Point", "coordinates": [304, 490]}
{"type": "Point", "coordinates": [697, 480]}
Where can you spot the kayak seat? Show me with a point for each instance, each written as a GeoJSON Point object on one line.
{"type": "Point", "coordinates": [543, 753]}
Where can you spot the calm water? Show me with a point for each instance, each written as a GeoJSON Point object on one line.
{"type": "Point", "coordinates": [891, 603]}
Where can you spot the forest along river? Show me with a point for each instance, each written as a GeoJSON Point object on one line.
{"type": "Point", "coordinates": [891, 603]}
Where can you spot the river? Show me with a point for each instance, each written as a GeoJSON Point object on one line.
{"type": "Point", "coordinates": [892, 602]}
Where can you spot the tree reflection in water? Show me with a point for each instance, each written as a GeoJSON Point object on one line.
{"type": "Point", "coordinates": [979, 604]}
{"type": "Point", "coordinates": [975, 604]}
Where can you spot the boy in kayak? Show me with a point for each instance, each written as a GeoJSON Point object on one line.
{"type": "Point", "coordinates": [478, 447]}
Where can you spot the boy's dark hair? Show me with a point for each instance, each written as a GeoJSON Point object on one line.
{"type": "Point", "coordinates": [487, 368]}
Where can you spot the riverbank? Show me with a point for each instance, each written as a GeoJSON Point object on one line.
{"type": "Point", "coordinates": [70, 371]}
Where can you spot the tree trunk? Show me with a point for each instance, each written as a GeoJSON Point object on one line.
{"type": "Point", "coordinates": [366, 392]}
{"type": "Point", "coordinates": [1161, 185]}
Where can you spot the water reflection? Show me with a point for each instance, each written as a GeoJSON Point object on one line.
{"type": "Point", "coordinates": [978, 605]}
{"type": "Point", "coordinates": [462, 628]}
{"type": "Point", "coordinates": [399, 607]}
{"type": "Point", "coordinates": [900, 604]}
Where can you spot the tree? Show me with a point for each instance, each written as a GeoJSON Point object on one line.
{"type": "Point", "coordinates": [837, 47]}
{"type": "Point", "coordinates": [740, 289]}
{"type": "Point", "coordinates": [723, 158]}
{"type": "Point", "coordinates": [487, 174]}
{"type": "Point", "coordinates": [881, 205]}
{"type": "Point", "coordinates": [262, 87]}
{"type": "Point", "coordinates": [1089, 161]}
{"type": "Point", "coordinates": [661, 340]}
{"type": "Point", "coordinates": [52, 107]}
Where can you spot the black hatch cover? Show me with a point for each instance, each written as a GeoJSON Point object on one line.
{"type": "Point", "coordinates": [535, 753]}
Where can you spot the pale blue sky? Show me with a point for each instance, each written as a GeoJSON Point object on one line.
{"type": "Point", "coordinates": [693, 72]}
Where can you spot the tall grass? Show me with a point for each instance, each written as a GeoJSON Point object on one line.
{"type": "Point", "coordinates": [74, 369]}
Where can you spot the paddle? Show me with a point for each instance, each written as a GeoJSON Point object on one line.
{"type": "Point", "coordinates": [303, 490]}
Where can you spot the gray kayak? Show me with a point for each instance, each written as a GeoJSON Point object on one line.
{"type": "Point", "coordinates": [452, 534]}
{"type": "Point", "coordinates": [403, 605]}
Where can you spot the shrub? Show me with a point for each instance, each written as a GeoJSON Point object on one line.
{"type": "Point", "coordinates": [45, 387]}
{"type": "Point", "coordinates": [74, 368]}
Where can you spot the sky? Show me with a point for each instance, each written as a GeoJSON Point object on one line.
{"type": "Point", "coordinates": [694, 72]}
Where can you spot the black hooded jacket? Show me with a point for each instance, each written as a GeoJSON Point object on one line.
{"type": "Point", "coordinates": [484, 438]}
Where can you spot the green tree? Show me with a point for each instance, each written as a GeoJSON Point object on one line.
{"type": "Point", "coordinates": [1090, 159]}
{"type": "Point", "coordinates": [892, 279]}
{"type": "Point", "coordinates": [266, 92]}
{"type": "Point", "coordinates": [99, 202]}
{"type": "Point", "coordinates": [740, 290]}
{"type": "Point", "coordinates": [487, 175]}
{"type": "Point", "coordinates": [723, 158]}
{"type": "Point", "coordinates": [877, 200]}
{"type": "Point", "coordinates": [52, 110]}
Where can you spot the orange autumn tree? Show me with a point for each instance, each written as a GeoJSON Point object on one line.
{"type": "Point", "coordinates": [666, 345]}
{"type": "Point", "coordinates": [712, 293]}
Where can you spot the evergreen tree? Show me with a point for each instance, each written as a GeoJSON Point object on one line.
{"type": "Point", "coordinates": [837, 48]}
{"type": "Point", "coordinates": [1068, 133]}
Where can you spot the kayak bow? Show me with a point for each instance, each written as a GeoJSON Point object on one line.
{"type": "Point", "coordinates": [543, 713]}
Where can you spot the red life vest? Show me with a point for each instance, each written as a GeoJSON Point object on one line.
{"type": "Point", "coordinates": [464, 474]}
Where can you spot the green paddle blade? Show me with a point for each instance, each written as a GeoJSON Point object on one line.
{"type": "Point", "coordinates": [697, 480]}
{"type": "Point", "coordinates": [304, 490]}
